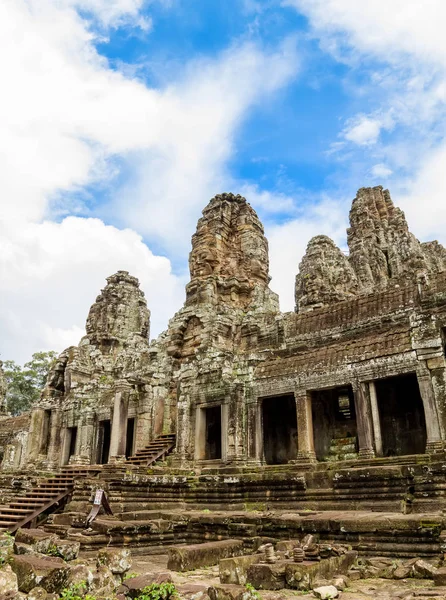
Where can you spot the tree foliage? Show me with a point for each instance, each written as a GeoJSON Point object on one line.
{"type": "Point", "coordinates": [24, 384]}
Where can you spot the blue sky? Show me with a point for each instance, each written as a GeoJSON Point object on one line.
{"type": "Point", "coordinates": [122, 118]}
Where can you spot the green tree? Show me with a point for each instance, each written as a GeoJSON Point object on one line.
{"type": "Point", "coordinates": [24, 384]}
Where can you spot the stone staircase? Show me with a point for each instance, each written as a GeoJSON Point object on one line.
{"type": "Point", "coordinates": [158, 449]}
{"type": "Point", "coordinates": [342, 449]}
{"type": "Point", "coordinates": [49, 495]}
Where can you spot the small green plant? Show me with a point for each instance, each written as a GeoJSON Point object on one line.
{"type": "Point", "coordinates": [52, 550]}
{"type": "Point", "coordinates": [129, 575]}
{"type": "Point", "coordinates": [159, 591]}
{"type": "Point", "coordinates": [76, 591]}
{"type": "Point", "coordinates": [252, 593]}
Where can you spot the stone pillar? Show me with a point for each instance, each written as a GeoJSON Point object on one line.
{"type": "Point", "coordinates": [363, 420]}
{"type": "Point", "coordinates": [119, 422]}
{"type": "Point", "coordinates": [66, 443]}
{"type": "Point", "coordinates": [305, 435]}
{"type": "Point", "coordinates": [233, 449]}
{"type": "Point", "coordinates": [375, 419]}
{"type": "Point", "coordinates": [35, 434]}
{"type": "Point", "coordinates": [200, 433]}
{"type": "Point", "coordinates": [434, 442]}
{"type": "Point", "coordinates": [253, 433]}
{"type": "Point", "coordinates": [54, 446]}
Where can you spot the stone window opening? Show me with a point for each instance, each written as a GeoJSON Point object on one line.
{"type": "Point", "coordinates": [279, 425]}
{"type": "Point", "coordinates": [104, 438]}
{"type": "Point", "coordinates": [401, 415]}
{"type": "Point", "coordinates": [334, 424]}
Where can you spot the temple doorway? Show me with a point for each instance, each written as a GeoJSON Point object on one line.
{"type": "Point", "coordinates": [212, 449]}
{"type": "Point", "coordinates": [46, 430]}
{"type": "Point", "coordinates": [401, 415]}
{"type": "Point", "coordinates": [130, 437]}
{"type": "Point", "coordinates": [279, 429]}
{"type": "Point", "coordinates": [104, 436]}
{"type": "Point", "coordinates": [334, 423]}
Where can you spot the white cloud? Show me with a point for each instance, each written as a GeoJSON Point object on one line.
{"type": "Point", "coordinates": [363, 131]}
{"type": "Point", "coordinates": [381, 170]}
{"type": "Point", "coordinates": [52, 272]}
{"type": "Point", "coordinates": [288, 242]}
{"type": "Point", "coordinates": [401, 48]}
{"type": "Point", "coordinates": [185, 166]}
{"type": "Point", "coordinates": [65, 117]}
{"type": "Point", "coordinates": [390, 30]}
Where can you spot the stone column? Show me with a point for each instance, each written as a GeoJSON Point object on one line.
{"type": "Point", "coordinates": [305, 435]}
{"type": "Point", "coordinates": [66, 443]}
{"type": "Point", "coordinates": [54, 446]}
{"type": "Point", "coordinates": [363, 420]}
{"type": "Point", "coordinates": [119, 422]}
{"type": "Point", "coordinates": [434, 441]}
{"type": "Point", "coordinates": [35, 433]}
{"type": "Point", "coordinates": [87, 439]}
{"type": "Point", "coordinates": [375, 419]}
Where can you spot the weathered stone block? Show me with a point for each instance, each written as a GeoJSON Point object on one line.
{"type": "Point", "coordinates": [265, 576]}
{"type": "Point", "coordinates": [49, 573]}
{"type": "Point", "coordinates": [8, 580]}
{"type": "Point", "coordinates": [439, 576]}
{"type": "Point", "coordinates": [234, 570]}
{"type": "Point", "coordinates": [40, 540]}
{"type": "Point", "coordinates": [133, 586]}
{"type": "Point", "coordinates": [186, 558]}
{"type": "Point", "coordinates": [301, 576]}
{"type": "Point", "coordinates": [116, 559]}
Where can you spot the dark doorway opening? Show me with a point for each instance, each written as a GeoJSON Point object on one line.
{"type": "Point", "coordinates": [212, 449]}
{"type": "Point", "coordinates": [46, 430]}
{"type": "Point", "coordinates": [401, 415]}
{"type": "Point", "coordinates": [334, 424]}
{"type": "Point", "coordinates": [279, 429]}
{"type": "Point", "coordinates": [72, 432]}
{"type": "Point", "coordinates": [104, 435]}
{"type": "Point", "coordinates": [130, 437]}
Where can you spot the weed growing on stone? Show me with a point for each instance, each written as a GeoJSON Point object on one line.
{"type": "Point", "coordinates": [158, 591]}
{"type": "Point", "coordinates": [252, 593]}
{"type": "Point", "coordinates": [76, 592]}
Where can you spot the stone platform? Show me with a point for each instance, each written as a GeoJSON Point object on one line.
{"type": "Point", "coordinates": [377, 534]}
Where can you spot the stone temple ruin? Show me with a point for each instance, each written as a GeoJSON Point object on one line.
{"type": "Point", "coordinates": [330, 420]}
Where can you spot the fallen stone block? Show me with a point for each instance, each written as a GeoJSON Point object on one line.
{"type": "Point", "coordinates": [133, 586]}
{"type": "Point", "coordinates": [193, 591]}
{"type": "Point", "coordinates": [326, 592]}
{"type": "Point", "coordinates": [6, 547]}
{"type": "Point", "coordinates": [47, 572]}
{"type": "Point", "coordinates": [104, 583]}
{"type": "Point", "coordinates": [116, 559]}
{"type": "Point", "coordinates": [187, 558]}
{"type": "Point", "coordinates": [264, 576]}
{"type": "Point", "coordinates": [439, 576]}
{"type": "Point", "coordinates": [235, 570]}
{"type": "Point", "coordinates": [302, 576]}
{"type": "Point", "coordinates": [227, 592]}
{"type": "Point", "coordinates": [423, 569]}
{"type": "Point", "coordinates": [8, 581]}
{"type": "Point", "coordinates": [38, 593]}
{"type": "Point", "coordinates": [67, 549]}
{"type": "Point", "coordinates": [40, 540]}
{"type": "Point", "coordinates": [287, 545]}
